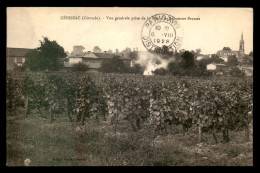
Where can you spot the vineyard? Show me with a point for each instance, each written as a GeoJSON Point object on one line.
{"type": "Point", "coordinates": [155, 104]}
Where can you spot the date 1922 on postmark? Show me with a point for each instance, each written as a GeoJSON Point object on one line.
{"type": "Point", "coordinates": [161, 30]}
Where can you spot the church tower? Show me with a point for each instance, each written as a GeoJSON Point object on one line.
{"type": "Point", "coordinates": [241, 46]}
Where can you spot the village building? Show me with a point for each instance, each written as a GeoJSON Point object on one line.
{"type": "Point", "coordinates": [201, 56]}
{"type": "Point", "coordinates": [226, 52]}
{"type": "Point", "coordinates": [15, 56]}
{"type": "Point", "coordinates": [240, 54]}
{"type": "Point", "coordinates": [217, 67]}
{"type": "Point", "coordinates": [93, 59]}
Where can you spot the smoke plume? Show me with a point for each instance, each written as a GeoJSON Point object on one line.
{"type": "Point", "coordinates": [152, 61]}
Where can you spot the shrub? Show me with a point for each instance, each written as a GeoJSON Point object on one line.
{"type": "Point", "coordinates": [81, 67]}
{"type": "Point", "coordinates": [160, 71]}
{"type": "Point", "coordinates": [236, 72]}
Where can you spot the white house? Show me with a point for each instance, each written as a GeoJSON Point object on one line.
{"type": "Point", "coordinates": [219, 67]}
{"type": "Point", "coordinates": [200, 57]}
{"type": "Point", "coordinates": [92, 59]}
{"type": "Point", "coordinates": [74, 60]}
{"type": "Point", "coordinates": [15, 56]}
{"type": "Point", "coordinates": [211, 67]}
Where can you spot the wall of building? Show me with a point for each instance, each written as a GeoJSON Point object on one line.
{"type": "Point", "coordinates": [93, 64]}
{"type": "Point", "coordinates": [227, 53]}
{"type": "Point", "coordinates": [11, 61]}
{"type": "Point", "coordinates": [75, 60]}
{"type": "Point", "coordinates": [211, 67]}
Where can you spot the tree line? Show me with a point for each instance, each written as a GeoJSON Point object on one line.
{"type": "Point", "coordinates": [50, 56]}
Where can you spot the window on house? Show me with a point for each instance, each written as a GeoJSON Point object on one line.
{"type": "Point", "coordinates": [19, 60]}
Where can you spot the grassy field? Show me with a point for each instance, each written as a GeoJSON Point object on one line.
{"type": "Point", "coordinates": [62, 143]}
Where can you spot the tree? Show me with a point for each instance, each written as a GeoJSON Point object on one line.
{"type": "Point", "coordinates": [174, 68]}
{"type": "Point", "coordinates": [215, 59]}
{"type": "Point", "coordinates": [198, 51]}
{"type": "Point", "coordinates": [113, 65]}
{"type": "Point", "coordinates": [188, 66]}
{"type": "Point", "coordinates": [133, 56]}
{"type": "Point", "coordinates": [185, 66]}
{"type": "Point", "coordinates": [126, 52]}
{"type": "Point", "coordinates": [163, 50]}
{"type": "Point", "coordinates": [67, 53]}
{"type": "Point", "coordinates": [187, 61]}
{"type": "Point", "coordinates": [232, 60]}
{"type": "Point", "coordinates": [250, 62]}
{"type": "Point", "coordinates": [251, 53]}
{"type": "Point", "coordinates": [49, 56]}
{"type": "Point", "coordinates": [201, 67]}
{"type": "Point", "coordinates": [137, 68]}
{"type": "Point", "coordinates": [193, 52]}
{"type": "Point", "coordinates": [97, 49]}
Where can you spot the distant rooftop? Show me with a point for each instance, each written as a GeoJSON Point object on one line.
{"type": "Point", "coordinates": [17, 52]}
{"type": "Point", "coordinates": [86, 55]}
{"type": "Point", "coordinates": [226, 48]}
{"type": "Point", "coordinates": [219, 64]}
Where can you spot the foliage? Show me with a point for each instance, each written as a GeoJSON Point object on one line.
{"type": "Point", "coordinates": [144, 102]}
{"type": "Point", "coordinates": [133, 55]}
{"type": "Point", "coordinates": [188, 62]}
{"type": "Point", "coordinates": [15, 92]}
{"type": "Point", "coordinates": [236, 72]}
{"type": "Point", "coordinates": [20, 68]}
{"type": "Point", "coordinates": [81, 67]}
{"type": "Point", "coordinates": [137, 68]}
{"type": "Point", "coordinates": [232, 60]}
{"type": "Point", "coordinates": [113, 65]}
{"type": "Point", "coordinates": [97, 49]}
{"type": "Point", "coordinates": [62, 93]}
{"type": "Point", "coordinates": [187, 102]}
{"type": "Point", "coordinates": [216, 59]}
{"type": "Point", "coordinates": [174, 68]}
{"type": "Point", "coordinates": [89, 100]}
{"type": "Point", "coordinates": [186, 65]}
{"type": "Point", "coordinates": [49, 56]}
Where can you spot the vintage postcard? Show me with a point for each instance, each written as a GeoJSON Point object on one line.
{"type": "Point", "coordinates": [121, 86]}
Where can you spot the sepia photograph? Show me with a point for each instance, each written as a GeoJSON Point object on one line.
{"type": "Point", "coordinates": [129, 86]}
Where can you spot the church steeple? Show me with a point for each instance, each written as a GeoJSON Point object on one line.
{"type": "Point", "coordinates": [241, 45]}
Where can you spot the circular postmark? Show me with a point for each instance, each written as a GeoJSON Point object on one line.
{"type": "Point", "coordinates": [161, 30]}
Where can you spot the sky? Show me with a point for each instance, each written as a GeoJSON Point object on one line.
{"type": "Point", "coordinates": [217, 27]}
